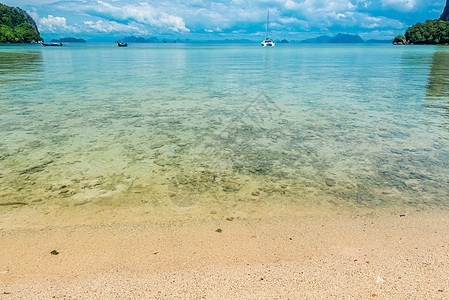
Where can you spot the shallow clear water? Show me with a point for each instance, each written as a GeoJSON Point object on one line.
{"type": "Point", "coordinates": [190, 129]}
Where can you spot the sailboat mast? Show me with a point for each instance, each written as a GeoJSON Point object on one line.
{"type": "Point", "coordinates": [268, 17]}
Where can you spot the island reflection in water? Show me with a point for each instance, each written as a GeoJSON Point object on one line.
{"type": "Point", "coordinates": [17, 67]}
{"type": "Point", "coordinates": [437, 94]}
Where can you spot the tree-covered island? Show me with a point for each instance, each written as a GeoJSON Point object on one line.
{"type": "Point", "coordinates": [16, 26]}
{"type": "Point", "coordinates": [432, 32]}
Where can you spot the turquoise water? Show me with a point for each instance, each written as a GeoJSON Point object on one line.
{"type": "Point", "coordinates": [190, 129]}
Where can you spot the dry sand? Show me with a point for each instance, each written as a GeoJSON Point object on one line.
{"type": "Point", "coordinates": [379, 256]}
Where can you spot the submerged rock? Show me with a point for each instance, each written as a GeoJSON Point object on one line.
{"type": "Point", "coordinates": [330, 182]}
{"type": "Point", "coordinates": [35, 169]}
{"type": "Point", "coordinates": [13, 203]}
{"type": "Point", "coordinates": [156, 146]}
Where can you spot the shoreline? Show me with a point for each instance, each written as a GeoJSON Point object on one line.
{"type": "Point", "coordinates": [21, 216]}
{"type": "Point", "coordinates": [382, 255]}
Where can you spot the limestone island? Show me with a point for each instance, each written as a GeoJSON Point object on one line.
{"type": "Point", "coordinates": [68, 40]}
{"type": "Point", "coordinates": [17, 26]}
{"type": "Point", "coordinates": [432, 32]}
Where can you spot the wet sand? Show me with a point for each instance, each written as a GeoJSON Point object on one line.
{"type": "Point", "coordinates": [375, 255]}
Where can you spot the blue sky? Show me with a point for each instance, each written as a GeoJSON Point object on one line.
{"type": "Point", "coordinates": [226, 19]}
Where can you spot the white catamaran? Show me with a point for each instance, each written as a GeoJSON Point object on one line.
{"type": "Point", "coordinates": [267, 42]}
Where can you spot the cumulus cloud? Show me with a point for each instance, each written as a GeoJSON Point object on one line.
{"type": "Point", "coordinates": [244, 17]}
{"type": "Point", "coordinates": [289, 4]}
{"type": "Point", "coordinates": [400, 4]}
{"type": "Point", "coordinates": [376, 22]}
{"type": "Point", "coordinates": [143, 13]}
{"type": "Point", "coordinates": [334, 14]}
{"type": "Point", "coordinates": [105, 26]}
{"type": "Point", "coordinates": [56, 24]}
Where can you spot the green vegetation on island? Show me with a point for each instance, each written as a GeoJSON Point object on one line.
{"type": "Point", "coordinates": [16, 26]}
{"type": "Point", "coordinates": [432, 32]}
{"type": "Point", "coordinates": [400, 40]}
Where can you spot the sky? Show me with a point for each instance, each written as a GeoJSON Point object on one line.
{"type": "Point", "coordinates": [102, 20]}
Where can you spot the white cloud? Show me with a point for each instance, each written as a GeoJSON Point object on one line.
{"type": "Point", "coordinates": [105, 26]}
{"type": "Point", "coordinates": [216, 29]}
{"type": "Point", "coordinates": [376, 22]}
{"type": "Point", "coordinates": [142, 13]}
{"type": "Point", "coordinates": [289, 4]}
{"type": "Point", "coordinates": [400, 4]}
{"type": "Point", "coordinates": [291, 23]}
{"type": "Point", "coordinates": [55, 24]}
{"type": "Point", "coordinates": [246, 17]}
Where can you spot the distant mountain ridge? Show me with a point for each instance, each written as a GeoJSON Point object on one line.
{"type": "Point", "coordinates": [17, 26]}
{"type": "Point", "coordinates": [346, 39]}
{"type": "Point", "coordinates": [138, 40]}
{"type": "Point", "coordinates": [339, 38]}
{"type": "Point", "coordinates": [324, 39]}
{"type": "Point", "coordinates": [134, 39]}
{"type": "Point", "coordinates": [318, 40]}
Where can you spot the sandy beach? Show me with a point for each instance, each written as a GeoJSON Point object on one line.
{"type": "Point", "coordinates": [382, 255]}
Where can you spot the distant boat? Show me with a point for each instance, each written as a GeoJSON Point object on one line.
{"type": "Point", "coordinates": [53, 44]}
{"type": "Point", "coordinates": [267, 42]}
{"type": "Point", "coordinates": [122, 44]}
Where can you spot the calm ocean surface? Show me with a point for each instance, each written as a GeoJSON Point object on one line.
{"type": "Point", "coordinates": [193, 130]}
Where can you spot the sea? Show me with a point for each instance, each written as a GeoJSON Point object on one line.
{"type": "Point", "coordinates": [198, 131]}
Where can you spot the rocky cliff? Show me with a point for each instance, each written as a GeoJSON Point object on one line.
{"type": "Point", "coordinates": [29, 19]}
{"type": "Point", "coordinates": [445, 14]}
